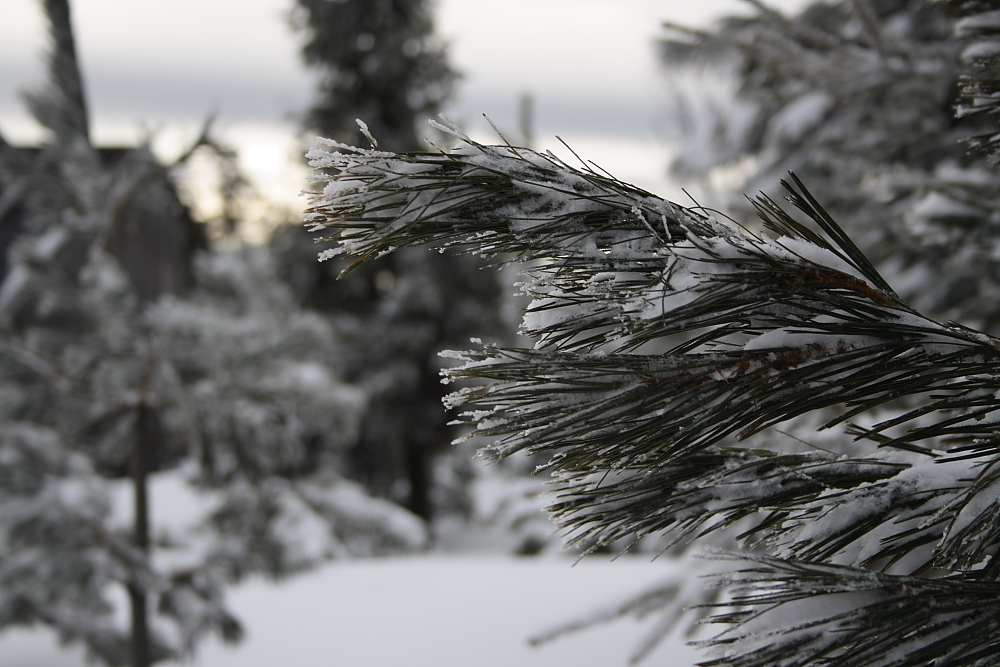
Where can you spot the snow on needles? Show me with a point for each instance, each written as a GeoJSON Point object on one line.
{"type": "Point", "coordinates": [662, 337]}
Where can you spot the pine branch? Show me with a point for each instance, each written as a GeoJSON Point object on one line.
{"type": "Point", "coordinates": [793, 614]}
{"type": "Point", "coordinates": [763, 316]}
{"type": "Point", "coordinates": [663, 335]}
{"type": "Point", "coordinates": [980, 84]}
{"type": "Point", "coordinates": [709, 491]}
{"type": "Point", "coordinates": [613, 258]}
{"type": "Point", "coordinates": [61, 106]}
{"type": "Point", "coordinates": [495, 199]}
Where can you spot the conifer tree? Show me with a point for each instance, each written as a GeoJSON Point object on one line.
{"type": "Point", "coordinates": [109, 391]}
{"type": "Point", "coordinates": [381, 60]}
{"type": "Point", "coordinates": [859, 99]}
{"type": "Point", "coordinates": [674, 349]}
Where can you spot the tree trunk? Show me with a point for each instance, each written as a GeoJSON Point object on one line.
{"type": "Point", "coordinates": [141, 654]}
{"type": "Point", "coordinates": [419, 474]}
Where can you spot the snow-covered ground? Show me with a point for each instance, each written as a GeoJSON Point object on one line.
{"type": "Point", "coordinates": [464, 604]}
{"type": "Point", "coordinates": [467, 611]}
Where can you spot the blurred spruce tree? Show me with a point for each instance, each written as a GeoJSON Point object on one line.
{"type": "Point", "coordinates": [121, 374]}
{"type": "Point", "coordinates": [380, 61]}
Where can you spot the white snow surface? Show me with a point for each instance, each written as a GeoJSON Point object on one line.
{"type": "Point", "coordinates": [461, 610]}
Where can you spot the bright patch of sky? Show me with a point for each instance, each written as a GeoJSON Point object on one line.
{"type": "Point", "coordinates": [163, 68]}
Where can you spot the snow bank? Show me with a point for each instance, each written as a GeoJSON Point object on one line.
{"type": "Point", "coordinates": [427, 611]}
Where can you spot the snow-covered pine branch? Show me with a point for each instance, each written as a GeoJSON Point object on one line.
{"type": "Point", "coordinates": [979, 28]}
{"type": "Point", "coordinates": [850, 617]}
{"type": "Point", "coordinates": [663, 335]}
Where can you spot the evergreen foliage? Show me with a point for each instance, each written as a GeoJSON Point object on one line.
{"type": "Point", "coordinates": [111, 393]}
{"type": "Point", "coordinates": [859, 99]}
{"type": "Point", "coordinates": [668, 346]}
{"type": "Point", "coordinates": [381, 61]}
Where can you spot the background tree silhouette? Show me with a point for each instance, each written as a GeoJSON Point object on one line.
{"type": "Point", "coordinates": [382, 62]}
{"type": "Point", "coordinates": [127, 367]}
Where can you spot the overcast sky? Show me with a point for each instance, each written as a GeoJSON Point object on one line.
{"type": "Point", "coordinates": [167, 65]}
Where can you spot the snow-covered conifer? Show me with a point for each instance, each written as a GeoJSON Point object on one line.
{"type": "Point", "coordinates": [669, 343]}
{"type": "Point", "coordinates": [122, 399]}
{"type": "Point", "coordinates": [382, 61]}
{"type": "Point", "coordinates": [859, 99]}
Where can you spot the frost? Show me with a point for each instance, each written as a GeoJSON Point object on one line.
{"type": "Point", "coordinates": [691, 378]}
